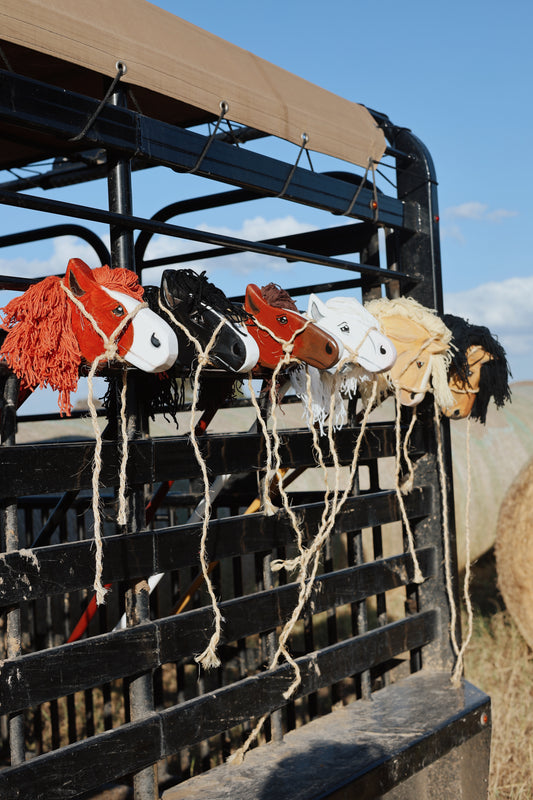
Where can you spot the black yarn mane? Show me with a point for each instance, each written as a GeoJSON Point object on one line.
{"type": "Point", "coordinates": [494, 375]}
{"type": "Point", "coordinates": [194, 289]}
{"type": "Point", "coordinates": [165, 392]}
{"type": "Point", "coordinates": [161, 394]}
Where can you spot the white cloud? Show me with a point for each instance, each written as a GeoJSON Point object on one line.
{"type": "Point", "coordinates": [63, 248]}
{"type": "Point", "coordinates": [505, 308]}
{"type": "Point", "coordinates": [477, 211]}
{"type": "Point", "coordinates": [474, 211]}
{"type": "Point", "coordinates": [452, 232]}
{"type": "Point", "coordinates": [498, 303]}
{"type": "Point", "coordinates": [261, 228]}
{"type": "Point", "coordinates": [500, 213]}
{"type": "Point", "coordinates": [239, 263]}
{"type": "Point", "coordinates": [471, 210]}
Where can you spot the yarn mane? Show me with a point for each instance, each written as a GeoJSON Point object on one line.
{"type": "Point", "coordinates": [494, 374]}
{"type": "Point", "coordinates": [120, 279]}
{"type": "Point", "coordinates": [197, 289]}
{"type": "Point", "coordinates": [277, 297]}
{"type": "Point", "coordinates": [40, 346]}
{"type": "Point", "coordinates": [411, 309]}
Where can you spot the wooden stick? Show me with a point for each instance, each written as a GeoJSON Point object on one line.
{"type": "Point", "coordinates": [83, 622]}
{"type": "Point", "coordinates": [254, 506]}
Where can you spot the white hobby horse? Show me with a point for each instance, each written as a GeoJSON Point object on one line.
{"type": "Point", "coordinates": [364, 352]}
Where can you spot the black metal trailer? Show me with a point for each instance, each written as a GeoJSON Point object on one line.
{"type": "Point", "coordinates": [376, 714]}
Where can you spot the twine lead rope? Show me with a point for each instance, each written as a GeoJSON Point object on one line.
{"type": "Point", "coordinates": [418, 577]}
{"type": "Point", "coordinates": [273, 452]}
{"type": "Point", "coordinates": [306, 582]}
{"type": "Point", "coordinates": [110, 353]}
{"type": "Point", "coordinates": [446, 535]}
{"type": "Point", "coordinates": [457, 673]}
{"type": "Point", "coordinates": [208, 658]}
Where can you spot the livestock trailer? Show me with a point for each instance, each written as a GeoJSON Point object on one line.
{"type": "Point", "coordinates": [88, 704]}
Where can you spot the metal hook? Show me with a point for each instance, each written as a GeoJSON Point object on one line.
{"type": "Point", "coordinates": [121, 70]}
{"type": "Point", "coordinates": [374, 203]}
{"type": "Point", "coordinates": [305, 139]}
{"type": "Point", "coordinates": [353, 201]}
{"type": "Point", "coordinates": [224, 108]}
{"type": "Point", "coordinates": [5, 60]}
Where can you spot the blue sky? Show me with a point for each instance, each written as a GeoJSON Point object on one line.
{"type": "Point", "coordinates": [457, 74]}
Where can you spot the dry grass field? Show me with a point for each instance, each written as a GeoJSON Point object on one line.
{"type": "Point", "coordinates": [501, 663]}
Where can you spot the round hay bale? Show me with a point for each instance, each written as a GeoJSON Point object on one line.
{"type": "Point", "coordinates": [514, 551]}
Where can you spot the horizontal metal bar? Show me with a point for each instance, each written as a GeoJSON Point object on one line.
{"type": "Point", "coordinates": [133, 746]}
{"type": "Point", "coordinates": [67, 567]}
{"type": "Point", "coordinates": [365, 750]}
{"type": "Point", "coordinates": [232, 243]}
{"type": "Point", "coordinates": [61, 466]}
{"type": "Point", "coordinates": [330, 286]}
{"type": "Point", "coordinates": [335, 241]}
{"type": "Point", "coordinates": [251, 697]}
{"type": "Point", "coordinates": [59, 114]}
{"type": "Point", "coordinates": [59, 671]}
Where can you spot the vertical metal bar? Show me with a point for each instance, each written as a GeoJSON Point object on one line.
{"type": "Point", "coordinates": [12, 542]}
{"type": "Point", "coordinates": [141, 697]}
{"type": "Point", "coordinates": [419, 255]}
{"type": "Point", "coordinates": [355, 556]}
{"type": "Point", "coordinates": [276, 729]}
{"type": "Point", "coordinates": [331, 622]}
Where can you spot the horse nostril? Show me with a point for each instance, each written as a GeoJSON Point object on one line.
{"type": "Point", "coordinates": [413, 395]}
{"type": "Point", "coordinates": [383, 350]}
{"type": "Point", "coordinates": [155, 341]}
{"type": "Point", "coordinates": [329, 348]}
{"type": "Point", "coordinates": [236, 349]}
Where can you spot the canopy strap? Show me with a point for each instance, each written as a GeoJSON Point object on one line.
{"type": "Point", "coordinates": [224, 108]}
{"type": "Point", "coordinates": [121, 70]}
{"type": "Point", "coordinates": [5, 60]}
{"type": "Point", "coordinates": [374, 202]}
{"type": "Point", "coordinates": [305, 140]}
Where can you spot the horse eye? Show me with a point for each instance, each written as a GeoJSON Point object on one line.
{"type": "Point", "coordinates": [419, 364]}
{"type": "Point", "coordinates": [469, 373]}
{"type": "Point", "coordinates": [282, 319]}
{"type": "Point", "coordinates": [118, 311]}
{"type": "Point", "coordinates": [344, 328]}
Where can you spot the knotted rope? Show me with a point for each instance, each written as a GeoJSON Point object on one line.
{"type": "Point", "coordinates": [110, 354]}
{"type": "Point", "coordinates": [208, 658]}
{"type": "Point", "coordinates": [446, 534]}
{"type": "Point", "coordinates": [458, 670]}
{"type": "Point", "coordinates": [273, 452]}
{"type": "Point", "coordinates": [418, 577]}
{"type": "Point", "coordinates": [405, 487]}
{"type": "Point", "coordinates": [306, 578]}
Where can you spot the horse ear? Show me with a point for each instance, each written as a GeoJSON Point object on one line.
{"type": "Point", "coordinates": [170, 299]}
{"type": "Point", "coordinates": [437, 347]}
{"type": "Point", "coordinates": [485, 357]}
{"type": "Point", "coordinates": [79, 277]}
{"type": "Point", "coordinates": [399, 328]}
{"type": "Point", "coordinates": [253, 301]}
{"type": "Point", "coordinates": [316, 309]}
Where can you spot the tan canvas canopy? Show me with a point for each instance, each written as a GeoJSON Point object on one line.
{"type": "Point", "coordinates": [178, 72]}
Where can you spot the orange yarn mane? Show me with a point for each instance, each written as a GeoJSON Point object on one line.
{"type": "Point", "coordinates": [122, 280]}
{"type": "Point", "coordinates": [40, 346]}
